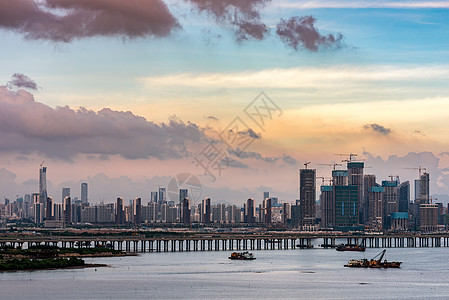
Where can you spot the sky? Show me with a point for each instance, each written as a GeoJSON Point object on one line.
{"type": "Point", "coordinates": [236, 94]}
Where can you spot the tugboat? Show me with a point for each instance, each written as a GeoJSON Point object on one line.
{"type": "Point", "coordinates": [242, 256]}
{"type": "Point", "coordinates": [348, 247]}
{"type": "Point", "coordinates": [373, 263]}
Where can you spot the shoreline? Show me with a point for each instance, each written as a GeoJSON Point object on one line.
{"type": "Point", "coordinates": [63, 268]}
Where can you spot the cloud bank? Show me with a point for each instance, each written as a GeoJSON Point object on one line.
{"type": "Point", "coordinates": [28, 126]}
{"type": "Point", "coordinates": [67, 20]}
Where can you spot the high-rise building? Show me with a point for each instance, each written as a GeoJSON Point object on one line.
{"type": "Point", "coordinates": [307, 196]}
{"type": "Point", "coordinates": [375, 214]}
{"type": "Point", "coordinates": [346, 205]}
{"type": "Point", "coordinates": [67, 211]}
{"type": "Point", "coordinates": [369, 181]}
{"type": "Point", "coordinates": [355, 177]}
{"type": "Point", "coordinates": [249, 216]}
{"type": "Point", "coordinates": [390, 200]}
{"type": "Point", "coordinates": [137, 208]}
{"type": "Point", "coordinates": [185, 211]}
{"type": "Point", "coordinates": [119, 212]}
{"type": "Point", "coordinates": [327, 206]}
{"type": "Point", "coordinates": [183, 193]}
{"type": "Point", "coordinates": [162, 197]}
{"type": "Point", "coordinates": [340, 177]}
{"type": "Point", "coordinates": [425, 188]}
{"type": "Point", "coordinates": [404, 196]}
{"type": "Point", "coordinates": [65, 193]}
{"type": "Point", "coordinates": [49, 209]}
{"type": "Point", "coordinates": [266, 195]}
{"type": "Point", "coordinates": [153, 197]}
{"type": "Point", "coordinates": [429, 217]}
{"type": "Point", "coordinates": [84, 194]}
{"type": "Point", "coordinates": [206, 211]}
{"type": "Point", "coordinates": [42, 184]}
{"type": "Point", "coordinates": [267, 211]}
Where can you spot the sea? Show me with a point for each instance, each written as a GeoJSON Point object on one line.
{"type": "Point", "coordinates": [274, 274]}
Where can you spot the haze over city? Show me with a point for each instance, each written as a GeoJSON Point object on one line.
{"type": "Point", "coordinates": [132, 99]}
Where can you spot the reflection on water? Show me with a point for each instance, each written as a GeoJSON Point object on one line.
{"type": "Point", "coordinates": [311, 274]}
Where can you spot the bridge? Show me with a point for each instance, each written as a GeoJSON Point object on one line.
{"type": "Point", "coordinates": [228, 241]}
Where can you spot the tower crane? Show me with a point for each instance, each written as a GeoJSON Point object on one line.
{"type": "Point", "coordinates": [307, 163]}
{"type": "Point", "coordinates": [350, 155]}
{"type": "Point", "coordinates": [419, 168]}
{"type": "Point", "coordinates": [330, 165]}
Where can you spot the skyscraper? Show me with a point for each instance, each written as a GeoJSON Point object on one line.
{"type": "Point", "coordinates": [346, 205]}
{"type": "Point", "coordinates": [249, 216]}
{"type": "Point", "coordinates": [185, 211]}
{"type": "Point", "coordinates": [120, 213]}
{"type": "Point", "coordinates": [65, 193]}
{"type": "Point", "coordinates": [67, 211]}
{"type": "Point", "coordinates": [390, 200]}
{"type": "Point", "coordinates": [183, 193]}
{"type": "Point", "coordinates": [307, 196]}
{"type": "Point", "coordinates": [355, 177]}
{"type": "Point", "coordinates": [404, 196]}
{"type": "Point", "coordinates": [137, 208]}
{"type": "Point", "coordinates": [327, 206]}
{"type": "Point", "coordinates": [42, 185]}
{"type": "Point", "coordinates": [206, 211]}
{"type": "Point", "coordinates": [84, 197]}
{"type": "Point", "coordinates": [153, 197]}
{"type": "Point", "coordinates": [424, 188]}
{"type": "Point", "coordinates": [162, 197]}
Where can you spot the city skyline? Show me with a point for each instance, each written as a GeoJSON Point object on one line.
{"type": "Point", "coordinates": [129, 106]}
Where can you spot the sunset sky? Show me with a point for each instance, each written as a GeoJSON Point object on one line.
{"type": "Point", "coordinates": [125, 95]}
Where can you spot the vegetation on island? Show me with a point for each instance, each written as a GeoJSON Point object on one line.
{"type": "Point", "coordinates": [33, 264]}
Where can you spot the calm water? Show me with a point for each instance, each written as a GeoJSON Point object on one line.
{"type": "Point", "coordinates": [293, 274]}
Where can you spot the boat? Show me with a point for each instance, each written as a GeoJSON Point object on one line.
{"type": "Point", "coordinates": [373, 263]}
{"type": "Point", "coordinates": [349, 247]}
{"type": "Point", "coordinates": [242, 256]}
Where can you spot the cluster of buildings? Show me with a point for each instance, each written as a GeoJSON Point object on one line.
{"type": "Point", "coordinates": [351, 201]}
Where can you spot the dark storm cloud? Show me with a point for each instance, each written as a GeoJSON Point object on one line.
{"type": "Point", "coordinates": [66, 20]}
{"type": "Point", "coordinates": [22, 81]}
{"type": "Point", "coordinates": [27, 126]}
{"type": "Point", "coordinates": [242, 15]}
{"type": "Point", "coordinates": [300, 32]}
{"type": "Point", "coordinates": [378, 128]}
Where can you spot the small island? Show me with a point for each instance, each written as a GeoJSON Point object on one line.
{"type": "Point", "coordinates": [51, 257]}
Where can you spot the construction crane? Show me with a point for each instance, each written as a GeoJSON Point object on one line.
{"type": "Point", "coordinates": [306, 164]}
{"type": "Point", "coordinates": [322, 178]}
{"type": "Point", "coordinates": [394, 177]}
{"type": "Point", "coordinates": [42, 163]}
{"type": "Point", "coordinates": [330, 165]}
{"type": "Point", "coordinates": [418, 168]}
{"type": "Point", "coordinates": [350, 155]}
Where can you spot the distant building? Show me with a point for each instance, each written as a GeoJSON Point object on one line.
{"type": "Point", "coordinates": [327, 206]}
{"type": "Point", "coordinates": [249, 216]}
{"type": "Point", "coordinates": [67, 211]}
{"type": "Point", "coordinates": [376, 212]}
{"type": "Point", "coordinates": [185, 211]}
{"type": "Point", "coordinates": [206, 211]}
{"type": "Point", "coordinates": [390, 200]}
{"type": "Point", "coordinates": [404, 196]}
{"type": "Point", "coordinates": [307, 196]}
{"type": "Point", "coordinates": [355, 177]}
{"type": "Point", "coordinates": [137, 208]}
{"type": "Point", "coordinates": [84, 194]}
{"type": "Point", "coordinates": [119, 212]}
{"type": "Point", "coordinates": [42, 184]}
{"type": "Point", "coordinates": [183, 193]}
{"type": "Point", "coordinates": [65, 193]}
{"type": "Point", "coordinates": [429, 217]}
{"type": "Point", "coordinates": [346, 205]}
